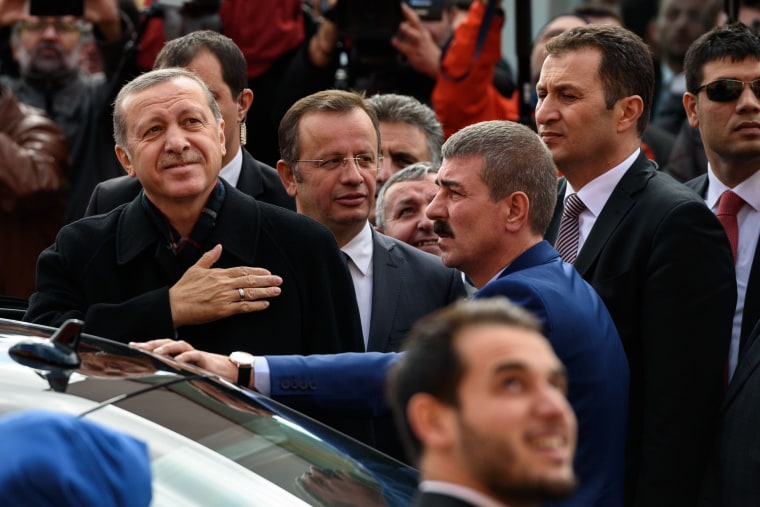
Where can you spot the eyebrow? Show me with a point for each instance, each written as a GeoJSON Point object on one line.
{"type": "Point", "coordinates": [523, 367]}
{"type": "Point", "coordinates": [447, 183]}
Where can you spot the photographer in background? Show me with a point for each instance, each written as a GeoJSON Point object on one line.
{"type": "Point", "coordinates": [48, 49]}
{"type": "Point", "coordinates": [383, 47]}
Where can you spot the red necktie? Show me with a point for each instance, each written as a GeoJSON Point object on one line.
{"type": "Point", "coordinates": [728, 206]}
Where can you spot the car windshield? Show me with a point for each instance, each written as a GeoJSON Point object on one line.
{"type": "Point", "coordinates": [214, 444]}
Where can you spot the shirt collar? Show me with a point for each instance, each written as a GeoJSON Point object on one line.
{"type": "Point", "coordinates": [360, 249]}
{"type": "Point", "coordinates": [464, 493]}
{"type": "Point", "coordinates": [749, 190]}
{"type": "Point", "coordinates": [596, 192]}
{"type": "Point", "coordinates": [231, 172]}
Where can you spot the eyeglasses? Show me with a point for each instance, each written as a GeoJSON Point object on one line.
{"type": "Point", "coordinates": [726, 90]}
{"type": "Point", "coordinates": [42, 25]}
{"type": "Point", "coordinates": [366, 162]}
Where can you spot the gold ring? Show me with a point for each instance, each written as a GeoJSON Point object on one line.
{"type": "Point", "coordinates": [242, 294]}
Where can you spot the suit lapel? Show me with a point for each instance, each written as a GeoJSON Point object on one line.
{"type": "Point", "coordinates": [250, 181]}
{"type": "Point", "coordinates": [622, 199]}
{"type": "Point", "coordinates": [386, 287]}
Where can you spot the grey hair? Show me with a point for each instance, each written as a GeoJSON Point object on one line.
{"type": "Point", "coordinates": [145, 81]}
{"type": "Point", "coordinates": [514, 160]}
{"type": "Point", "coordinates": [394, 108]}
{"type": "Point", "coordinates": [415, 172]}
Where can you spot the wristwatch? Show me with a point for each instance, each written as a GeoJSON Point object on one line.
{"type": "Point", "coordinates": [244, 362]}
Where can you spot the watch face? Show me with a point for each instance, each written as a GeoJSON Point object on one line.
{"type": "Point", "coordinates": [241, 358]}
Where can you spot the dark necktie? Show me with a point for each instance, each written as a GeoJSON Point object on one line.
{"type": "Point", "coordinates": [569, 232]}
{"type": "Point", "coordinates": [728, 206]}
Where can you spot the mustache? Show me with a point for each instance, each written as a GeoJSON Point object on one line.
{"type": "Point", "coordinates": [171, 161]}
{"type": "Point", "coordinates": [442, 228]}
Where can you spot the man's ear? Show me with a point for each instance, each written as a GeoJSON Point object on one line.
{"type": "Point", "coordinates": [244, 101]}
{"type": "Point", "coordinates": [630, 110]}
{"type": "Point", "coordinates": [515, 209]}
{"type": "Point", "coordinates": [288, 177]}
{"type": "Point", "coordinates": [431, 421]}
{"type": "Point", "coordinates": [123, 157]}
{"type": "Point", "coordinates": [690, 106]}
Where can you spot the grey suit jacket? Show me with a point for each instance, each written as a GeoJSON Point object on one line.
{"type": "Point", "coordinates": [407, 284]}
{"type": "Point", "coordinates": [752, 297]}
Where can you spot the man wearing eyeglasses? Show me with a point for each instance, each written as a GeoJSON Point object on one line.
{"type": "Point", "coordinates": [654, 252]}
{"type": "Point", "coordinates": [722, 71]}
{"type": "Point", "coordinates": [330, 153]}
{"type": "Point", "coordinates": [47, 50]}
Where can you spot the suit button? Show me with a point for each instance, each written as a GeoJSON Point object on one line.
{"type": "Point", "coordinates": [313, 385]}
{"type": "Point", "coordinates": [285, 384]}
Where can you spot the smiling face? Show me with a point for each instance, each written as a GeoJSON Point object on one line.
{"type": "Point", "coordinates": [405, 219]}
{"type": "Point", "coordinates": [340, 198]}
{"type": "Point", "coordinates": [174, 144]}
{"type": "Point", "coordinates": [730, 131]}
{"type": "Point", "coordinates": [513, 431]}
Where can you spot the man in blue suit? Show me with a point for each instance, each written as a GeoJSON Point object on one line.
{"type": "Point", "coordinates": [497, 195]}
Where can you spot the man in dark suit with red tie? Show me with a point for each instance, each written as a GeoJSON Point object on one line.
{"type": "Point", "coordinates": [727, 113]}
{"type": "Point", "coordinates": [722, 71]}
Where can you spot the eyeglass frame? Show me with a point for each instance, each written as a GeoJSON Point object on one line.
{"type": "Point", "coordinates": [755, 88]}
{"type": "Point", "coordinates": [76, 26]}
{"type": "Point", "coordinates": [344, 161]}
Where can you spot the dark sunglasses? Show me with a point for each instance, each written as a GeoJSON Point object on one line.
{"type": "Point", "coordinates": [726, 90]}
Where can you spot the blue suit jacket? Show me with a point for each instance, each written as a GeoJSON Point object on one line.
{"type": "Point", "coordinates": [579, 328]}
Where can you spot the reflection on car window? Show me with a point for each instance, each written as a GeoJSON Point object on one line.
{"type": "Point", "coordinates": [302, 463]}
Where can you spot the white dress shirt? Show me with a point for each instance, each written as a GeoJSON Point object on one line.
{"type": "Point", "coordinates": [359, 250]}
{"type": "Point", "coordinates": [231, 172]}
{"type": "Point", "coordinates": [595, 195]}
{"type": "Point", "coordinates": [464, 493]}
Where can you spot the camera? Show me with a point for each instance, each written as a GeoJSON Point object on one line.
{"type": "Point", "coordinates": [427, 10]}
{"type": "Point", "coordinates": [379, 19]}
{"type": "Point", "coordinates": [56, 7]}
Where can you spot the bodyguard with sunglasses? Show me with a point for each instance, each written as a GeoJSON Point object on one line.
{"type": "Point", "coordinates": [723, 100]}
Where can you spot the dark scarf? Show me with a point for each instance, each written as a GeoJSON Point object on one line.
{"type": "Point", "coordinates": [188, 249]}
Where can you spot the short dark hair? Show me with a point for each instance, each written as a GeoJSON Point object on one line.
{"type": "Point", "coordinates": [734, 41]}
{"type": "Point", "coordinates": [335, 101]}
{"type": "Point", "coordinates": [626, 67]}
{"type": "Point", "coordinates": [514, 159]}
{"type": "Point", "coordinates": [181, 51]}
{"type": "Point", "coordinates": [431, 363]}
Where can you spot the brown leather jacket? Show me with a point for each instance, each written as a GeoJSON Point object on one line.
{"type": "Point", "coordinates": [34, 162]}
